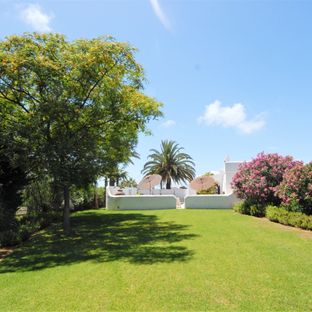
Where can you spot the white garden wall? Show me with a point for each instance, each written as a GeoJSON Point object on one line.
{"type": "Point", "coordinates": [211, 201]}
{"type": "Point", "coordinates": [138, 202]}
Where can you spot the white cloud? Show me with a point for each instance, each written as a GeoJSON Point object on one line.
{"type": "Point", "coordinates": [231, 117]}
{"type": "Point", "coordinates": [168, 123]}
{"type": "Point", "coordinates": [158, 11]}
{"type": "Point", "coordinates": [33, 15]}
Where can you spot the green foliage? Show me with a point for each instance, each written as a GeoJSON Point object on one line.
{"type": "Point", "coordinates": [257, 210]}
{"type": "Point", "coordinates": [283, 216]}
{"type": "Point", "coordinates": [129, 182]}
{"type": "Point", "coordinates": [242, 208]}
{"type": "Point", "coordinates": [245, 207]}
{"type": "Point", "coordinates": [73, 109]}
{"type": "Point", "coordinates": [12, 180]}
{"type": "Point", "coordinates": [210, 191]}
{"type": "Point", "coordinates": [27, 225]}
{"type": "Point", "coordinates": [38, 194]}
{"type": "Point", "coordinates": [9, 238]}
{"type": "Point", "coordinates": [83, 198]}
{"type": "Point", "coordinates": [171, 163]}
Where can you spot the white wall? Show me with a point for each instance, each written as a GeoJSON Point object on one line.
{"type": "Point", "coordinates": [138, 202]}
{"type": "Point", "coordinates": [211, 201]}
{"type": "Point", "coordinates": [219, 177]}
{"type": "Point", "coordinates": [230, 168]}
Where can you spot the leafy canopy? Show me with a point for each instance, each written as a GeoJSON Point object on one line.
{"type": "Point", "coordinates": [171, 163]}
{"type": "Point", "coordinates": [71, 108]}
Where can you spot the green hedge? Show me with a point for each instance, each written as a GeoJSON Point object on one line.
{"type": "Point", "coordinates": [250, 209]}
{"type": "Point", "coordinates": [296, 219]}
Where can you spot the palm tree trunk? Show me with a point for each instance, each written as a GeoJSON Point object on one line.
{"type": "Point", "coordinates": [168, 184]}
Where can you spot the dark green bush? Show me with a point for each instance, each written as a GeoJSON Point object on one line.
{"type": "Point", "coordinates": [27, 225]}
{"type": "Point", "coordinates": [248, 208]}
{"type": "Point", "coordinates": [296, 219]}
{"type": "Point", "coordinates": [9, 238]}
{"type": "Point", "coordinates": [242, 208]}
{"type": "Point", "coordinates": [257, 210]}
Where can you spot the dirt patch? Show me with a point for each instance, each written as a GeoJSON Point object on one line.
{"type": "Point", "coordinates": [301, 232]}
{"type": "Point", "coordinates": [5, 252]}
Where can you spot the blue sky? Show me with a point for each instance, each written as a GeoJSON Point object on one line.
{"type": "Point", "coordinates": [234, 76]}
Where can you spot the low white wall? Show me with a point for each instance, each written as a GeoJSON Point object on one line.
{"type": "Point", "coordinates": [139, 202]}
{"type": "Point", "coordinates": [211, 201]}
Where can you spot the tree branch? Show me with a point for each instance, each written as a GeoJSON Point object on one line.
{"type": "Point", "coordinates": [95, 85]}
{"type": "Point", "coordinates": [14, 101]}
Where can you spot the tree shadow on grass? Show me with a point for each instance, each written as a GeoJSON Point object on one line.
{"type": "Point", "coordinates": [131, 237]}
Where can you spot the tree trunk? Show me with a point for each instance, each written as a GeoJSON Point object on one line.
{"type": "Point", "coordinates": [96, 197]}
{"type": "Point", "coordinates": [66, 214]}
{"type": "Point", "coordinates": [168, 184]}
{"type": "Point", "coordinates": [111, 182]}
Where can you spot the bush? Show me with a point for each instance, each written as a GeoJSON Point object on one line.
{"type": "Point", "coordinates": [210, 191]}
{"type": "Point", "coordinates": [295, 190]}
{"type": "Point", "coordinates": [9, 238]}
{"type": "Point", "coordinates": [83, 198]}
{"type": "Point", "coordinates": [247, 208]}
{"type": "Point", "coordinates": [283, 216]}
{"type": "Point", "coordinates": [28, 225]}
{"type": "Point", "coordinates": [256, 180]}
{"type": "Point", "coordinates": [257, 210]}
{"type": "Point", "coordinates": [242, 208]}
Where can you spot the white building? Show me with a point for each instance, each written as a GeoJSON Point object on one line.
{"type": "Point", "coordinates": [171, 199]}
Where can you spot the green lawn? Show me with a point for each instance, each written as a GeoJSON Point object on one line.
{"type": "Point", "coordinates": [169, 260]}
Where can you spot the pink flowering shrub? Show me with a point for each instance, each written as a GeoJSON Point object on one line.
{"type": "Point", "coordinates": [256, 180]}
{"type": "Point", "coordinates": [295, 190]}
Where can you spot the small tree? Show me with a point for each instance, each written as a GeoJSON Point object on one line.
{"type": "Point", "coordinates": [256, 181]}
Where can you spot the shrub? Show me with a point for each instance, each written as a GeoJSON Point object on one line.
{"type": "Point", "coordinates": [242, 208]}
{"type": "Point", "coordinates": [283, 216]}
{"type": "Point", "coordinates": [26, 226]}
{"type": "Point", "coordinates": [210, 191]}
{"type": "Point", "coordinates": [295, 190]}
{"type": "Point", "coordinates": [256, 180]}
{"type": "Point", "coordinates": [272, 213]}
{"type": "Point", "coordinates": [9, 238]}
{"type": "Point", "coordinates": [250, 209]}
{"type": "Point", "coordinates": [257, 210]}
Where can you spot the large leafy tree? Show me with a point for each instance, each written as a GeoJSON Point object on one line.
{"type": "Point", "coordinates": [171, 163]}
{"type": "Point", "coordinates": [72, 108]}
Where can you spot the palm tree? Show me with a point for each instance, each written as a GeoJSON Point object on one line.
{"type": "Point", "coordinates": [171, 163]}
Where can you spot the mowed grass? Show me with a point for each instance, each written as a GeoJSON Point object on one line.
{"type": "Point", "coordinates": [169, 260]}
